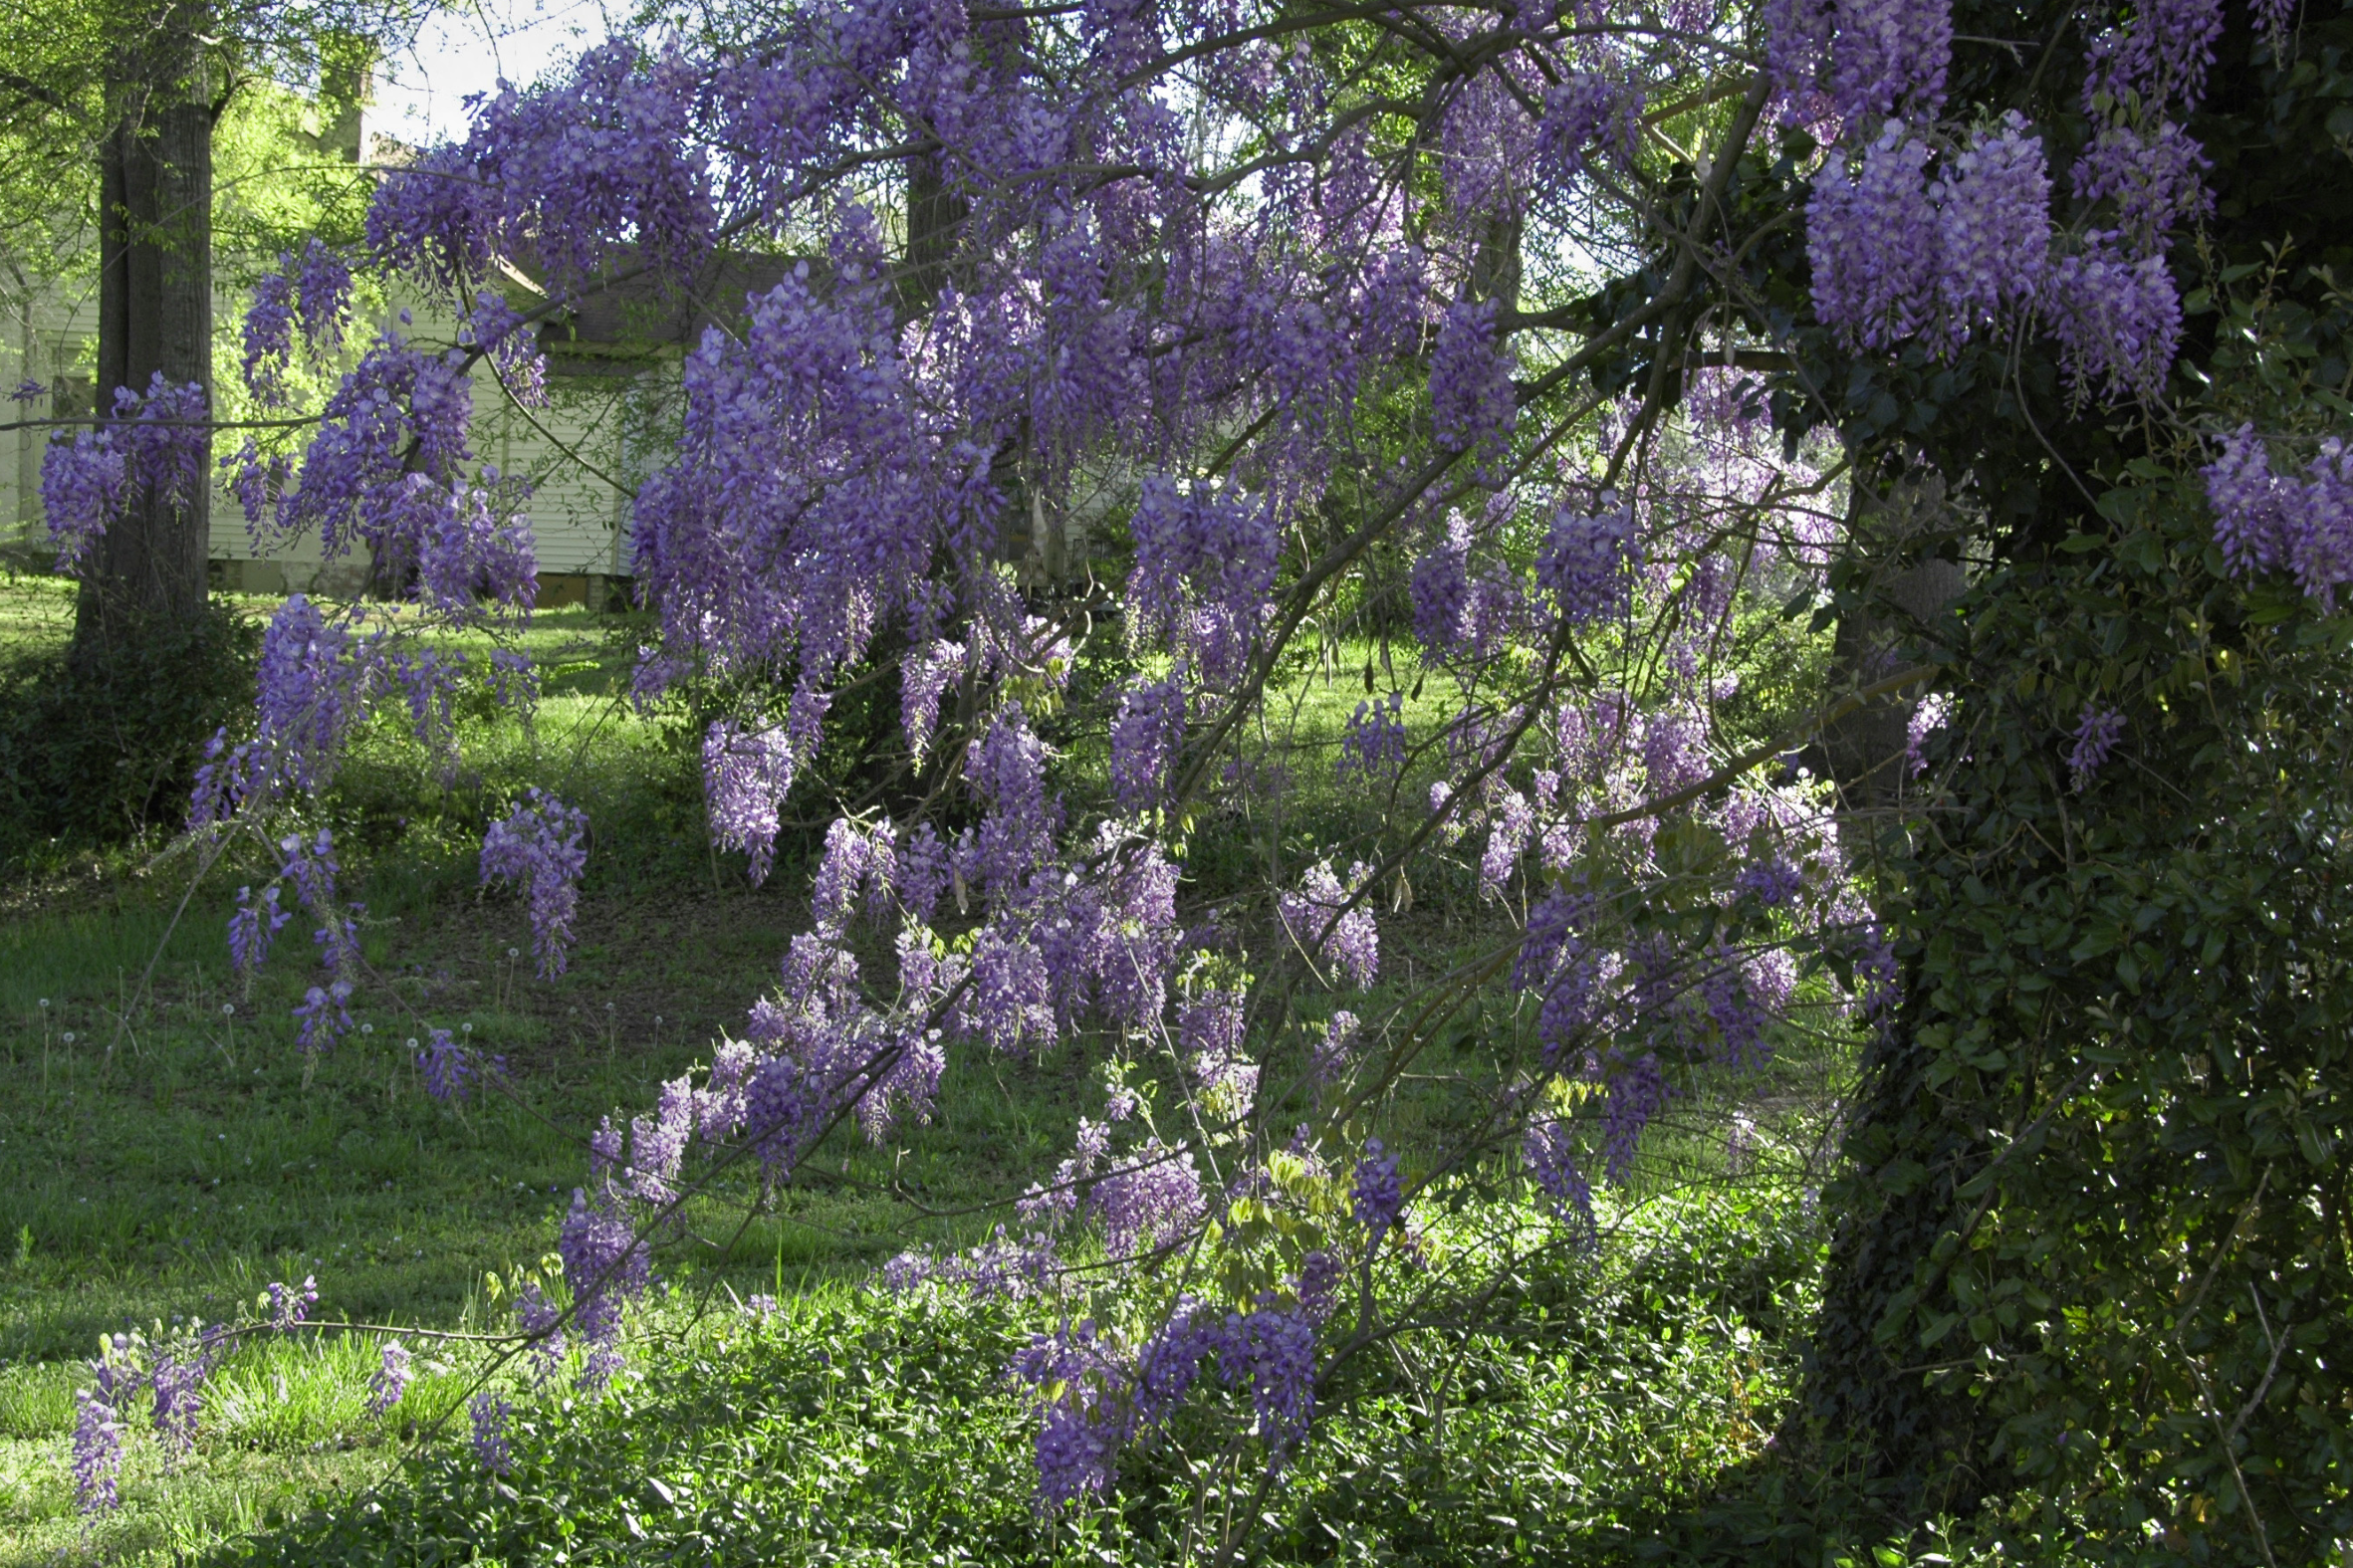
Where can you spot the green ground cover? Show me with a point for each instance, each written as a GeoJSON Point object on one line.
{"type": "Point", "coordinates": [164, 1151]}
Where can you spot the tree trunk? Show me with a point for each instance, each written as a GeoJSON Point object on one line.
{"type": "Point", "coordinates": [1890, 614]}
{"type": "Point", "coordinates": [936, 211]}
{"type": "Point", "coordinates": [1873, 1409]}
{"type": "Point", "coordinates": [154, 317]}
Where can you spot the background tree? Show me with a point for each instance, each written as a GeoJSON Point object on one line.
{"type": "Point", "coordinates": [134, 94]}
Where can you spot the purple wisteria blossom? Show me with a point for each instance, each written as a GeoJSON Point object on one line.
{"type": "Point", "coordinates": [1875, 242]}
{"type": "Point", "coordinates": [1587, 117]}
{"type": "Point", "coordinates": [2118, 322]}
{"type": "Point", "coordinates": [451, 1070]}
{"type": "Point", "coordinates": [1586, 564]}
{"type": "Point", "coordinates": [538, 845]}
{"type": "Point", "coordinates": [182, 1363]}
{"type": "Point", "coordinates": [489, 1414]}
{"type": "Point", "coordinates": [2097, 733]}
{"type": "Point", "coordinates": [746, 776]}
{"type": "Point", "coordinates": [2155, 178]}
{"type": "Point", "coordinates": [1472, 404]}
{"type": "Point", "coordinates": [313, 295]}
{"type": "Point", "coordinates": [284, 1306]}
{"type": "Point", "coordinates": [539, 1321]}
{"type": "Point", "coordinates": [82, 480]}
{"type": "Point", "coordinates": [1146, 736]}
{"type": "Point", "coordinates": [253, 927]}
{"type": "Point", "coordinates": [1149, 1201]}
{"type": "Point", "coordinates": [1889, 56]}
{"type": "Point", "coordinates": [97, 1454]}
{"type": "Point", "coordinates": [2264, 521]}
{"type": "Point", "coordinates": [1349, 941]}
{"type": "Point", "coordinates": [500, 331]}
{"type": "Point", "coordinates": [1377, 1197]}
{"type": "Point", "coordinates": [1994, 203]}
{"type": "Point", "coordinates": [1373, 748]}
{"type": "Point", "coordinates": [323, 1018]}
{"type": "Point", "coordinates": [1549, 1148]}
{"type": "Point", "coordinates": [390, 1379]}
{"type": "Point", "coordinates": [606, 1266]}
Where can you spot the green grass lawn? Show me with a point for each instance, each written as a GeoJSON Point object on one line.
{"type": "Point", "coordinates": [165, 1152]}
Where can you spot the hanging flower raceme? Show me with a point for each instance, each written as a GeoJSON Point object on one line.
{"type": "Point", "coordinates": [155, 447]}
{"type": "Point", "coordinates": [1205, 560]}
{"type": "Point", "coordinates": [539, 846]}
{"type": "Point", "coordinates": [1336, 922]}
{"type": "Point", "coordinates": [312, 298]}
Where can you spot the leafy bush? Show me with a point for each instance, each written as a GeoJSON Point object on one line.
{"type": "Point", "coordinates": [1600, 1394]}
{"type": "Point", "coordinates": [99, 745]}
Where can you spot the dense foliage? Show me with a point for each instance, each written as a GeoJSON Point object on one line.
{"type": "Point", "coordinates": [101, 751]}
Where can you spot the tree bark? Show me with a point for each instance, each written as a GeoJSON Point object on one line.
{"type": "Point", "coordinates": [154, 318]}
{"type": "Point", "coordinates": [1893, 606]}
{"type": "Point", "coordinates": [1872, 1415]}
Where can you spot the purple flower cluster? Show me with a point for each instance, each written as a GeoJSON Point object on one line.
{"type": "Point", "coordinates": [1204, 560]}
{"type": "Point", "coordinates": [315, 681]}
{"type": "Point", "coordinates": [253, 927]}
{"type": "Point", "coordinates": [168, 429]}
{"type": "Point", "coordinates": [314, 296]}
{"type": "Point", "coordinates": [1148, 1201]}
{"type": "Point", "coordinates": [499, 330]}
{"type": "Point", "coordinates": [746, 776]}
{"type": "Point", "coordinates": [607, 1266]}
{"type": "Point", "coordinates": [1440, 588]}
{"type": "Point", "coordinates": [1586, 563]}
{"type": "Point", "coordinates": [1145, 739]}
{"type": "Point", "coordinates": [324, 1016]}
{"type": "Point", "coordinates": [1872, 238]}
{"type": "Point", "coordinates": [538, 845]}
{"type": "Point", "coordinates": [1588, 113]}
{"type": "Point", "coordinates": [2118, 322]}
{"type": "Point", "coordinates": [284, 1306]}
{"type": "Point", "coordinates": [182, 1363]}
{"type": "Point", "coordinates": [1094, 1397]}
{"type": "Point", "coordinates": [1335, 921]}
{"type": "Point", "coordinates": [2097, 731]}
{"type": "Point", "coordinates": [385, 473]}
{"type": "Point", "coordinates": [98, 1453]}
{"type": "Point", "coordinates": [1374, 747]}
{"type": "Point", "coordinates": [539, 1321]}
{"type": "Point", "coordinates": [2157, 180]}
{"type": "Point", "coordinates": [1377, 1197]}
{"type": "Point", "coordinates": [82, 487]}
{"type": "Point", "coordinates": [1472, 406]}
{"type": "Point", "coordinates": [1889, 56]}
{"type": "Point", "coordinates": [451, 1070]}
{"type": "Point", "coordinates": [390, 1379]}
{"type": "Point", "coordinates": [490, 1449]}
{"type": "Point", "coordinates": [927, 673]}
{"type": "Point", "coordinates": [1928, 716]}
{"type": "Point", "coordinates": [2160, 60]}
{"type": "Point", "coordinates": [1506, 843]}
{"type": "Point", "coordinates": [1337, 1048]}
{"type": "Point", "coordinates": [156, 442]}
{"type": "Point", "coordinates": [1993, 208]}
{"type": "Point", "coordinates": [1635, 1093]}
{"type": "Point", "coordinates": [1007, 770]}
{"type": "Point", "coordinates": [1549, 1148]}
{"type": "Point", "coordinates": [2267, 522]}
